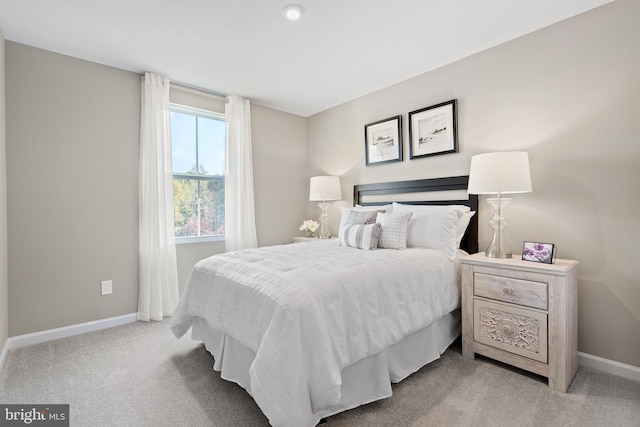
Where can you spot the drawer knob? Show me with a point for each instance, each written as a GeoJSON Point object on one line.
{"type": "Point", "coordinates": [507, 290]}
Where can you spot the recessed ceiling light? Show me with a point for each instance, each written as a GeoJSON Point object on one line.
{"type": "Point", "coordinates": [292, 12]}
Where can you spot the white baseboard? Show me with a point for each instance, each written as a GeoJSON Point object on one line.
{"type": "Point", "coordinates": [3, 353]}
{"type": "Point", "coordinates": [610, 366]}
{"type": "Point", "coordinates": [66, 331]}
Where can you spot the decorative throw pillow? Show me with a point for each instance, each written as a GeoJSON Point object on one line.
{"type": "Point", "coordinates": [394, 230]}
{"type": "Point", "coordinates": [364, 217]}
{"type": "Point", "coordinates": [361, 236]}
{"type": "Point", "coordinates": [359, 215]}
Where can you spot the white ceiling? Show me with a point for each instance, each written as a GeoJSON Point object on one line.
{"type": "Point", "coordinates": [338, 51]}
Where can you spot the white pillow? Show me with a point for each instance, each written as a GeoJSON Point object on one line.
{"type": "Point", "coordinates": [418, 209]}
{"type": "Point", "coordinates": [463, 223]}
{"type": "Point", "coordinates": [394, 230]}
{"type": "Point", "coordinates": [361, 236]}
{"type": "Point", "coordinates": [359, 215]}
{"type": "Point", "coordinates": [433, 226]}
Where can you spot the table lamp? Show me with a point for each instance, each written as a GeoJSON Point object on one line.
{"type": "Point", "coordinates": [499, 173]}
{"type": "Point", "coordinates": [323, 188]}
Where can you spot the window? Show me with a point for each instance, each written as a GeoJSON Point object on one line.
{"type": "Point", "coordinates": [198, 144]}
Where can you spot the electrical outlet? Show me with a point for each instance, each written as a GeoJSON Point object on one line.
{"type": "Point", "coordinates": [107, 287]}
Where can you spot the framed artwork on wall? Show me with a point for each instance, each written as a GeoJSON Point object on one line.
{"type": "Point", "coordinates": [383, 141]}
{"type": "Point", "coordinates": [433, 130]}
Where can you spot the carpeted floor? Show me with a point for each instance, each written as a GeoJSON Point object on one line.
{"type": "Point", "coordinates": [140, 375]}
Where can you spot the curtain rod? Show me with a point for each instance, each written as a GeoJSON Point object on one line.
{"type": "Point", "coordinates": [196, 89]}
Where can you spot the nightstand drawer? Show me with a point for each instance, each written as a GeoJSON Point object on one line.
{"type": "Point", "coordinates": [510, 328]}
{"type": "Point", "coordinates": [522, 292]}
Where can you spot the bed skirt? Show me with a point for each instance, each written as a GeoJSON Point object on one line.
{"type": "Point", "coordinates": [365, 381]}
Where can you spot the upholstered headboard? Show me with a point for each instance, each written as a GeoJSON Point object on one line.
{"type": "Point", "coordinates": [387, 192]}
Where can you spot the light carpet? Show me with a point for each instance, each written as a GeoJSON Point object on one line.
{"type": "Point", "coordinates": [141, 375]}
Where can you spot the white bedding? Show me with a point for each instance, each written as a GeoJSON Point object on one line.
{"type": "Point", "coordinates": [309, 310]}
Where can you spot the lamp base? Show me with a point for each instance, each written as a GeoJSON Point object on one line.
{"type": "Point", "coordinates": [497, 248]}
{"type": "Point", "coordinates": [492, 254]}
{"type": "Point", "coordinates": [324, 227]}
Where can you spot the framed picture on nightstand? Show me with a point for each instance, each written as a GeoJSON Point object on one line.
{"type": "Point", "coordinates": [538, 252]}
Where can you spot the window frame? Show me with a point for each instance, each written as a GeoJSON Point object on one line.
{"type": "Point", "coordinates": [185, 109]}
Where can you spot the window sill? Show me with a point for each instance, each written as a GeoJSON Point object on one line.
{"type": "Point", "coordinates": [202, 239]}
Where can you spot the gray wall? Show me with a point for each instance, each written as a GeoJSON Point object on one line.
{"type": "Point", "coordinates": [568, 94]}
{"type": "Point", "coordinates": [72, 174]}
{"type": "Point", "coordinates": [279, 174]}
{"type": "Point", "coordinates": [4, 296]}
{"type": "Point", "coordinates": [72, 154]}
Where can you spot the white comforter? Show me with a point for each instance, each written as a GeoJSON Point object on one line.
{"type": "Point", "coordinates": [308, 310]}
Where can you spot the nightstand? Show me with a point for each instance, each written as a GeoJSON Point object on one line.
{"type": "Point", "coordinates": [522, 313]}
{"type": "Point", "coordinates": [309, 239]}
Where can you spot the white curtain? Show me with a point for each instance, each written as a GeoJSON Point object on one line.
{"type": "Point", "coordinates": [240, 222]}
{"type": "Point", "coordinates": [158, 268]}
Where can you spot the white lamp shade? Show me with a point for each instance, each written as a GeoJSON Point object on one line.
{"type": "Point", "coordinates": [503, 172]}
{"type": "Point", "coordinates": [325, 188]}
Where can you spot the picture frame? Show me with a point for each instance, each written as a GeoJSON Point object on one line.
{"type": "Point", "coordinates": [383, 141]}
{"type": "Point", "coordinates": [538, 252]}
{"type": "Point", "coordinates": [433, 130]}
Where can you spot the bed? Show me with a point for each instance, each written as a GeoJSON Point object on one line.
{"type": "Point", "coordinates": [313, 329]}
